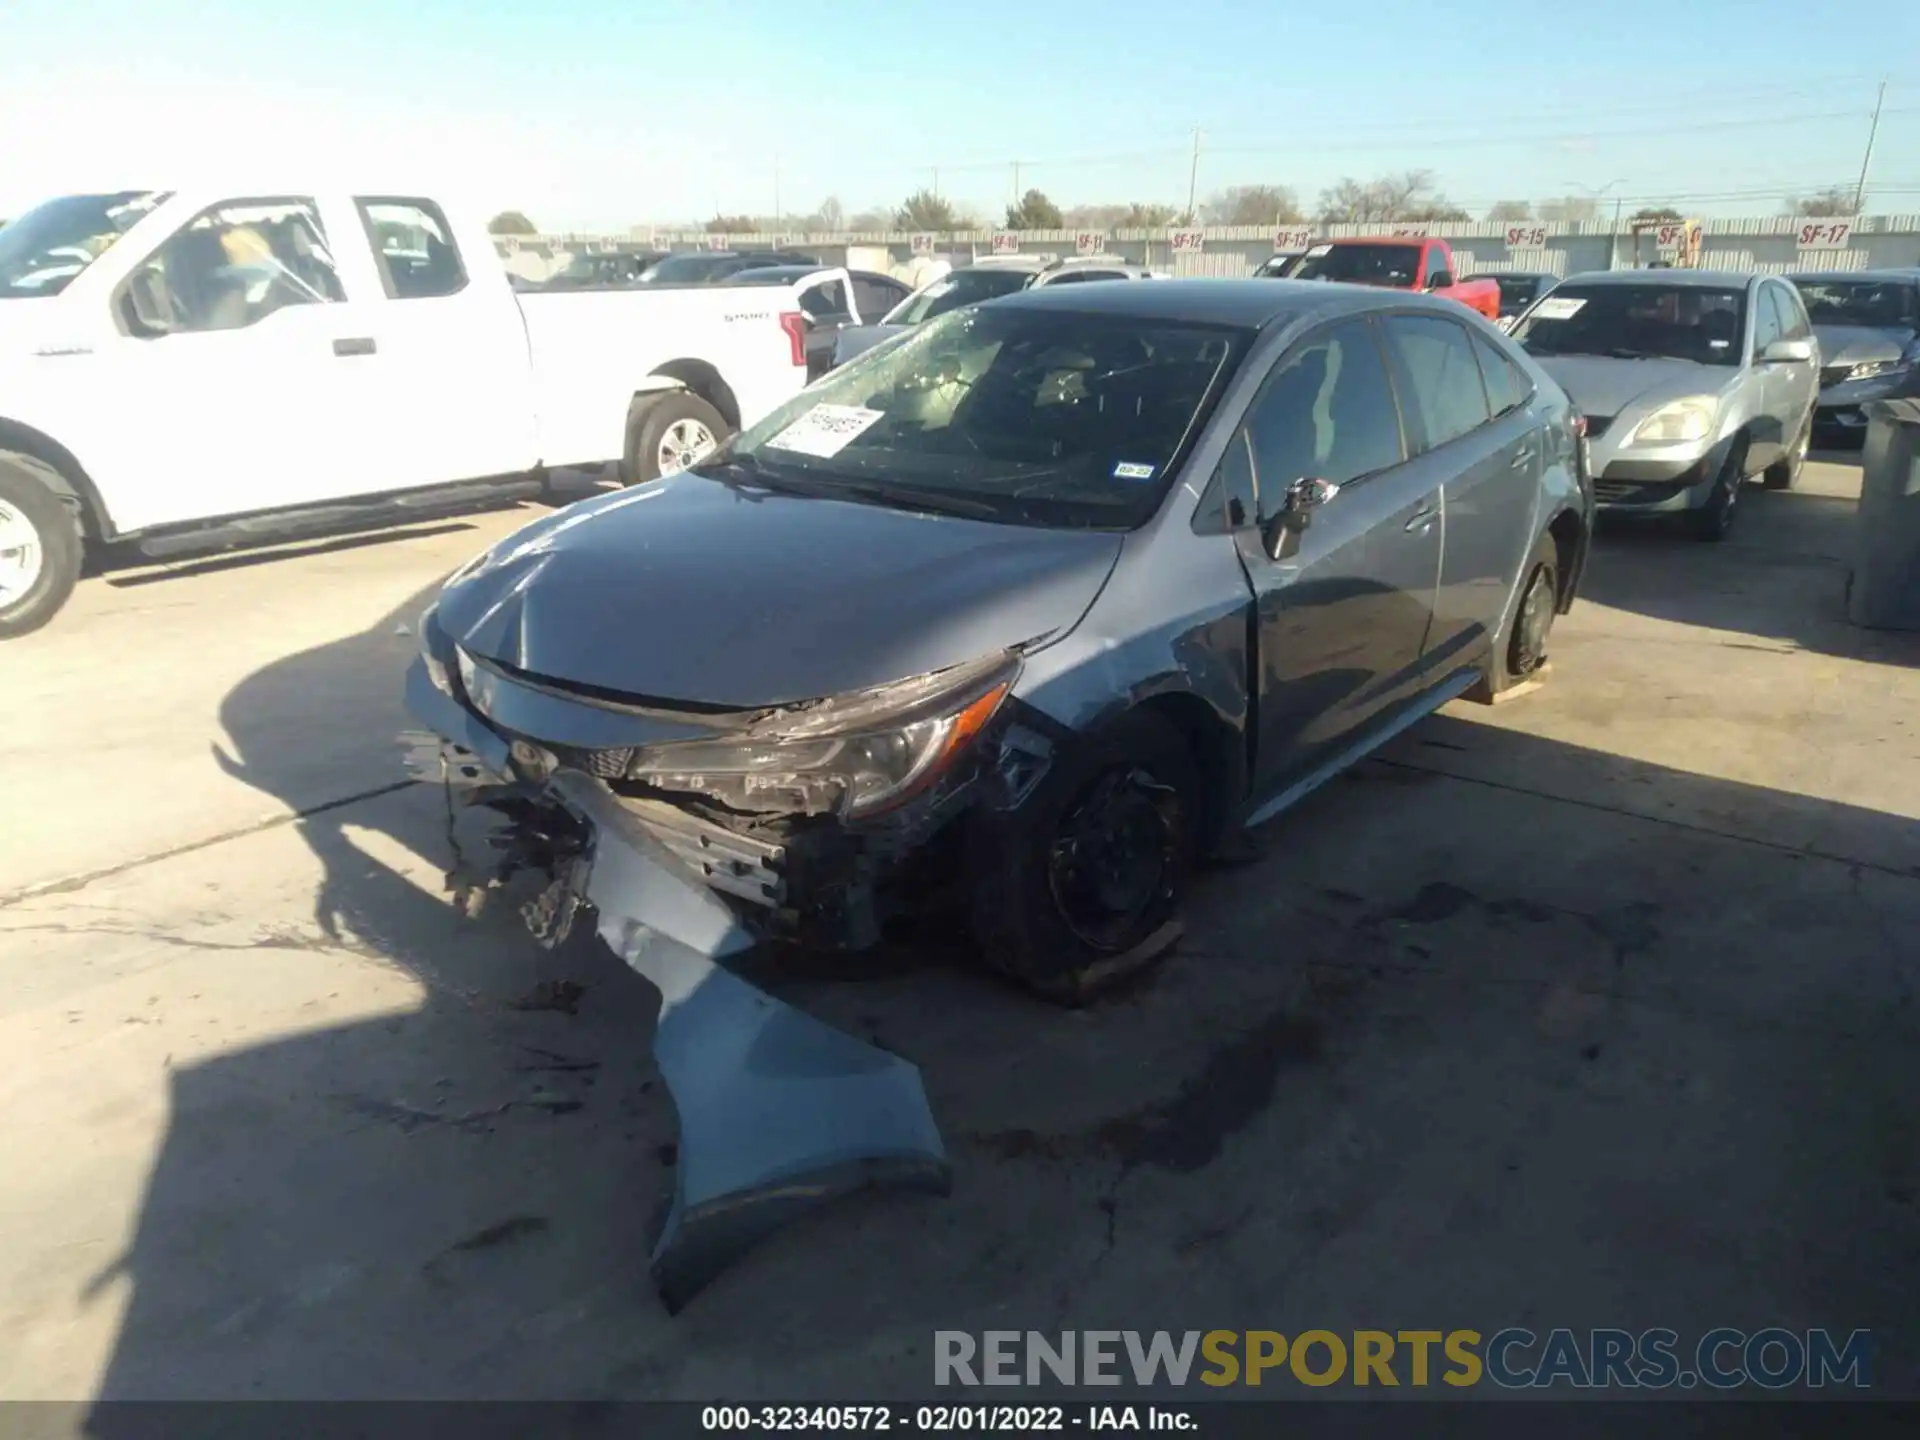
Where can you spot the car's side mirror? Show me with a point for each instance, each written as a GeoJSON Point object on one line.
{"type": "Point", "coordinates": [1787, 352]}
{"type": "Point", "coordinates": [146, 305]}
{"type": "Point", "coordinates": [1280, 532]}
{"type": "Point", "coordinates": [1439, 280]}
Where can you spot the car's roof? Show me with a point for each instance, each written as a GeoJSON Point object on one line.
{"type": "Point", "coordinates": [1675, 278]}
{"type": "Point", "coordinates": [1892, 272]}
{"type": "Point", "coordinates": [1251, 303]}
{"type": "Point", "coordinates": [1514, 275]}
{"type": "Point", "coordinates": [781, 272]}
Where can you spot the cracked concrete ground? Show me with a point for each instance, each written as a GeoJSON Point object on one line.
{"type": "Point", "coordinates": [1595, 1009]}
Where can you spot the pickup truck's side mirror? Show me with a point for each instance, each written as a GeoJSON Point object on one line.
{"type": "Point", "coordinates": [1280, 532]}
{"type": "Point", "coordinates": [1439, 280]}
{"type": "Point", "coordinates": [145, 303]}
{"type": "Point", "coordinates": [1787, 352]}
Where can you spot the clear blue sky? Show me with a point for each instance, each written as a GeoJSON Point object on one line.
{"type": "Point", "coordinates": [597, 114]}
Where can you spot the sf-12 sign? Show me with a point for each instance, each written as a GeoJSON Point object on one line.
{"type": "Point", "coordinates": [1293, 237]}
{"type": "Point", "coordinates": [1089, 242]}
{"type": "Point", "coordinates": [923, 244]}
{"type": "Point", "coordinates": [1189, 242]}
{"type": "Point", "coordinates": [1005, 242]}
{"type": "Point", "coordinates": [1526, 237]}
{"type": "Point", "coordinates": [1825, 233]}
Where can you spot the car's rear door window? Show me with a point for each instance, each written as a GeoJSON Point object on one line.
{"type": "Point", "coordinates": [419, 259]}
{"type": "Point", "coordinates": [1448, 394]}
{"type": "Point", "coordinates": [1507, 387]}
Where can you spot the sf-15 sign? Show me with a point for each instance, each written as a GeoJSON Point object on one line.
{"type": "Point", "coordinates": [1526, 237]}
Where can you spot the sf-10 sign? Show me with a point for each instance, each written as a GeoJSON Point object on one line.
{"type": "Point", "coordinates": [1825, 234]}
{"type": "Point", "coordinates": [1005, 242]}
{"type": "Point", "coordinates": [1189, 242]}
{"type": "Point", "coordinates": [1526, 237]}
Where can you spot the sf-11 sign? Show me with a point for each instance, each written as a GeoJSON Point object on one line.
{"type": "Point", "coordinates": [1089, 242]}
{"type": "Point", "coordinates": [923, 244]}
{"type": "Point", "coordinates": [1189, 242]}
{"type": "Point", "coordinates": [1825, 233]}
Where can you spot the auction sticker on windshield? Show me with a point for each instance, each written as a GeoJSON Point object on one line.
{"type": "Point", "coordinates": [1130, 470]}
{"type": "Point", "coordinates": [826, 430]}
{"type": "Point", "coordinates": [1557, 307]}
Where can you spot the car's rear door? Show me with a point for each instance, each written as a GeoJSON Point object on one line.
{"type": "Point", "coordinates": [1342, 612]}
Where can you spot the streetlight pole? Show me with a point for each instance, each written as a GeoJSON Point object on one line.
{"type": "Point", "coordinates": [1613, 236]}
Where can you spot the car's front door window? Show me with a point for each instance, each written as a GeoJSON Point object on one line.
{"type": "Point", "coordinates": [1327, 413]}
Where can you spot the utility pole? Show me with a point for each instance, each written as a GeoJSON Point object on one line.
{"type": "Point", "coordinates": [1873, 130]}
{"type": "Point", "coordinates": [1193, 175]}
{"type": "Point", "coordinates": [777, 214]}
{"type": "Point", "coordinates": [936, 182]}
{"type": "Point", "coordinates": [1016, 183]}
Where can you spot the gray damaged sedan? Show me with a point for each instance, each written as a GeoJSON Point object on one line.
{"type": "Point", "coordinates": [1868, 326]}
{"type": "Point", "coordinates": [1021, 615]}
{"type": "Point", "coordinates": [1691, 381]}
{"type": "Point", "coordinates": [1040, 604]}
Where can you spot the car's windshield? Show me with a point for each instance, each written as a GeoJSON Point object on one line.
{"type": "Point", "coordinates": [1630, 322]}
{"type": "Point", "coordinates": [1876, 304]}
{"type": "Point", "coordinates": [1516, 292]}
{"type": "Point", "coordinates": [1038, 417]}
{"type": "Point", "coordinates": [43, 250]}
{"type": "Point", "coordinates": [963, 287]}
{"type": "Point", "coordinates": [687, 269]}
{"type": "Point", "coordinates": [1394, 265]}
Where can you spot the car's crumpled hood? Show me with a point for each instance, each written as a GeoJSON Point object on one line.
{"type": "Point", "coordinates": [690, 590]}
{"type": "Point", "coordinates": [1602, 385]}
{"type": "Point", "coordinates": [1860, 344]}
{"type": "Point", "coordinates": [858, 339]}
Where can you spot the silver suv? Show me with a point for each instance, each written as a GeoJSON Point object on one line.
{"type": "Point", "coordinates": [1692, 382]}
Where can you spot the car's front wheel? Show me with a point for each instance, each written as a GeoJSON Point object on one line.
{"type": "Point", "coordinates": [40, 549]}
{"type": "Point", "coordinates": [1079, 886]}
{"type": "Point", "coordinates": [1713, 521]}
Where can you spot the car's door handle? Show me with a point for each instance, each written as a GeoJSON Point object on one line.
{"type": "Point", "coordinates": [1421, 518]}
{"type": "Point", "coordinates": [358, 345]}
{"type": "Point", "coordinates": [1522, 457]}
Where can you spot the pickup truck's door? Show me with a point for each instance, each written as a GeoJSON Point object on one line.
{"type": "Point", "coordinates": [1488, 466]}
{"type": "Point", "coordinates": [449, 350]}
{"type": "Point", "coordinates": [1342, 612]}
{"type": "Point", "coordinates": [220, 392]}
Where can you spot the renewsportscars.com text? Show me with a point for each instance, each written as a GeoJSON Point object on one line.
{"type": "Point", "coordinates": [1722, 1359]}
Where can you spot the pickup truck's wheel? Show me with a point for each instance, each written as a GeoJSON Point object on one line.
{"type": "Point", "coordinates": [1784, 473]}
{"type": "Point", "coordinates": [40, 551]}
{"type": "Point", "coordinates": [1069, 891]}
{"type": "Point", "coordinates": [1713, 521]}
{"type": "Point", "coordinates": [669, 432]}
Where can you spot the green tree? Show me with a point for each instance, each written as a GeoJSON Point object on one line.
{"type": "Point", "coordinates": [1034, 212]}
{"type": "Point", "coordinates": [511, 222]}
{"type": "Point", "coordinates": [924, 210]}
{"type": "Point", "coordinates": [732, 225]}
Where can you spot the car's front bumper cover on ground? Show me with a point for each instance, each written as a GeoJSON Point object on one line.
{"type": "Point", "coordinates": [1841, 408]}
{"type": "Point", "coordinates": [778, 1111]}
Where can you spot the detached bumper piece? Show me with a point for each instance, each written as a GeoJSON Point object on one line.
{"type": "Point", "coordinates": [779, 1113]}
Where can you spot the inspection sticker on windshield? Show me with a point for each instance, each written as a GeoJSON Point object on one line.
{"type": "Point", "coordinates": [1557, 308]}
{"type": "Point", "coordinates": [1317, 251]}
{"type": "Point", "coordinates": [826, 429]}
{"type": "Point", "coordinates": [1128, 470]}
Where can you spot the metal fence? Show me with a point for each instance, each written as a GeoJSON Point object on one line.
{"type": "Point", "coordinates": [1770, 245]}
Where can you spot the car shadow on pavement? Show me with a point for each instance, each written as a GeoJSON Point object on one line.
{"type": "Point", "coordinates": [1500, 1031]}
{"type": "Point", "coordinates": [1781, 577]}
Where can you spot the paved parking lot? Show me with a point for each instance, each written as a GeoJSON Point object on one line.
{"type": "Point", "coordinates": [1592, 1009]}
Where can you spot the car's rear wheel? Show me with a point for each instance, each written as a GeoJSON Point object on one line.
{"type": "Point", "coordinates": [1784, 473]}
{"type": "Point", "coordinates": [1520, 651]}
{"type": "Point", "coordinates": [40, 550]}
{"type": "Point", "coordinates": [1078, 887]}
{"type": "Point", "coordinates": [667, 433]}
{"type": "Point", "coordinates": [1713, 522]}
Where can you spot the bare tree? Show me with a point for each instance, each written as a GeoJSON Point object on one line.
{"type": "Point", "coordinates": [1409, 195]}
{"type": "Point", "coordinates": [733, 225]}
{"type": "Point", "coordinates": [870, 220]}
{"type": "Point", "coordinates": [1510, 210]}
{"type": "Point", "coordinates": [1569, 209]}
{"type": "Point", "coordinates": [1834, 200]}
{"type": "Point", "coordinates": [830, 217]}
{"type": "Point", "coordinates": [1252, 205]}
{"type": "Point", "coordinates": [1094, 217]}
{"type": "Point", "coordinates": [1656, 212]}
{"type": "Point", "coordinates": [1139, 216]}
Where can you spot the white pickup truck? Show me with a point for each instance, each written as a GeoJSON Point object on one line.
{"type": "Point", "coordinates": [189, 371]}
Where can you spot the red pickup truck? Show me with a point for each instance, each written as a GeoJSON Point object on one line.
{"type": "Point", "coordinates": [1399, 262]}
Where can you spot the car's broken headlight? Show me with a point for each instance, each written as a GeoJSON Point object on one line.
{"type": "Point", "coordinates": [854, 754]}
{"type": "Point", "coordinates": [1678, 422]}
{"type": "Point", "coordinates": [436, 667]}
